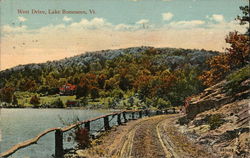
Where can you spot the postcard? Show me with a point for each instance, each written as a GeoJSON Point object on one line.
{"type": "Point", "coordinates": [124, 78]}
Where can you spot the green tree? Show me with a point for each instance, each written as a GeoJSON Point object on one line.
{"type": "Point", "coordinates": [57, 103]}
{"type": "Point", "coordinates": [94, 92]}
{"type": "Point", "coordinates": [162, 104]}
{"type": "Point", "coordinates": [14, 100]}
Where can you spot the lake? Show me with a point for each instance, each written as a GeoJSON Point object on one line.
{"type": "Point", "coordinates": [17, 125]}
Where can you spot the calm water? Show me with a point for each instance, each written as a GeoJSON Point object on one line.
{"type": "Point", "coordinates": [17, 125]}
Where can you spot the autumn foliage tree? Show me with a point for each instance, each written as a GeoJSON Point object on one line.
{"type": "Point", "coordinates": [7, 94]}
{"type": "Point", "coordinates": [239, 52]}
{"type": "Point", "coordinates": [83, 87]}
{"type": "Point", "coordinates": [236, 56]}
{"type": "Point", "coordinates": [35, 100]}
{"type": "Point", "coordinates": [219, 66]}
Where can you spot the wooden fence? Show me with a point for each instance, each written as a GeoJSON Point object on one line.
{"type": "Point", "coordinates": [59, 151]}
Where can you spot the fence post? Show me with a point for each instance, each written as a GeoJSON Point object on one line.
{"type": "Point", "coordinates": [166, 111]}
{"type": "Point", "coordinates": [174, 110]}
{"type": "Point", "coordinates": [147, 113]}
{"type": "Point", "coordinates": [140, 114]}
{"type": "Point", "coordinates": [133, 115]}
{"type": "Point", "coordinates": [124, 116]}
{"type": "Point", "coordinates": [106, 123]}
{"type": "Point", "coordinates": [58, 144]}
{"type": "Point", "coordinates": [87, 125]}
{"type": "Point", "coordinates": [119, 119]}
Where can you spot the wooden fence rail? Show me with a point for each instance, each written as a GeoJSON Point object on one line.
{"type": "Point", "coordinates": [59, 151]}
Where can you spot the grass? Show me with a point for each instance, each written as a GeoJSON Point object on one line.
{"type": "Point", "coordinates": [240, 74]}
{"type": "Point", "coordinates": [64, 99]}
{"type": "Point", "coordinates": [235, 78]}
{"type": "Point", "coordinates": [104, 103]}
{"type": "Point", "coordinates": [24, 98]}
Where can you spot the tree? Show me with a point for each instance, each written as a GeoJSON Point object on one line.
{"type": "Point", "coordinates": [94, 92]}
{"type": "Point", "coordinates": [117, 93]}
{"type": "Point", "coordinates": [82, 89]}
{"type": "Point", "coordinates": [237, 55]}
{"type": "Point", "coordinates": [101, 80]}
{"type": "Point", "coordinates": [57, 103]}
{"type": "Point", "coordinates": [124, 83]}
{"type": "Point", "coordinates": [26, 84]}
{"type": "Point", "coordinates": [245, 18]}
{"type": "Point", "coordinates": [131, 101]}
{"type": "Point", "coordinates": [239, 51]}
{"type": "Point", "coordinates": [218, 67]}
{"type": "Point", "coordinates": [111, 83]}
{"type": "Point", "coordinates": [14, 100]}
{"type": "Point", "coordinates": [162, 104]}
{"type": "Point", "coordinates": [35, 100]}
{"type": "Point", "coordinates": [6, 94]}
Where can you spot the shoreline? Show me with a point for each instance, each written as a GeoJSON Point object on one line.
{"type": "Point", "coordinates": [76, 108]}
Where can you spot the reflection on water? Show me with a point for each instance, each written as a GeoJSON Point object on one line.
{"type": "Point", "coordinates": [17, 125]}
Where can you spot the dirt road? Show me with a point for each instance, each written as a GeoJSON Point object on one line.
{"type": "Point", "coordinates": [150, 137]}
{"type": "Point", "coordinates": [143, 140]}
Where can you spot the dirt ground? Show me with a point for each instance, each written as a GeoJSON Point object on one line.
{"type": "Point", "coordinates": [149, 137]}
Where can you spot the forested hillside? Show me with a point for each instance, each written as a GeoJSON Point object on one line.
{"type": "Point", "coordinates": [157, 77]}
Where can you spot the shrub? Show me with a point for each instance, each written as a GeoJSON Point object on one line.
{"type": "Point", "coordinates": [84, 101]}
{"type": "Point", "coordinates": [163, 103]}
{"type": "Point", "coordinates": [71, 103]}
{"type": "Point", "coordinates": [35, 100]}
{"type": "Point", "coordinates": [131, 101]}
{"type": "Point", "coordinates": [215, 121]}
{"type": "Point", "coordinates": [82, 137]}
{"type": "Point", "coordinates": [113, 103]}
{"type": "Point", "coordinates": [57, 103]}
{"type": "Point", "coordinates": [79, 134]}
{"type": "Point", "coordinates": [14, 100]}
{"type": "Point", "coordinates": [149, 102]}
{"type": "Point", "coordinates": [183, 120]}
{"type": "Point", "coordinates": [117, 93]}
{"type": "Point", "coordinates": [236, 78]}
{"type": "Point", "coordinates": [94, 93]}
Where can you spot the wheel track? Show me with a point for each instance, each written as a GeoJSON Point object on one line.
{"type": "Point", "coordinates": [149, 137]}
{"type": "Point", "coordinates": [145, 141]}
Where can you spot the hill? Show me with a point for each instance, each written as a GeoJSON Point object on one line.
{"type": "Point", "coordinates": [152, 76]}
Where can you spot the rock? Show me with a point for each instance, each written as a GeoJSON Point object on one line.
{"type": "Point", "coordinates": [231, 137]}
{"type": "Point", "coordinates": [243, 145]}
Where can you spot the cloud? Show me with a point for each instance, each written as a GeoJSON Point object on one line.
{"type": "Point", "coordinates": [187, 24]}
{"type": "Point", "coordinates": [125, 27]}
{"type": "Point", "coordinates": [96, 23]}
{"type": "Point", "coordinates": [14, 29]}
{"type": "Point", "coordinates": [52, 28]}
{"type": "Point", "coordinates": [216, 17]}
{"type": "Point", "coordinates": [98, 33]}
{"type": "Point", "coordinates": [166, 0]}
{"type": "Point", "coordinates": [22, 19]}
{"type": "Point", "coordinates": [142, 21]}
{"type": "Point", "coordinates": [167, 16]}
{"type": "Point", "coordinates": [67, 19]}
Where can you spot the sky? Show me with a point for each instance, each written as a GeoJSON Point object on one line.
{"type": "Point", "coordinates": [39, 36]}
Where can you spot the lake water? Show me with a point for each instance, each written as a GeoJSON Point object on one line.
{"type": "Point", "coordinates": [17, 125]}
